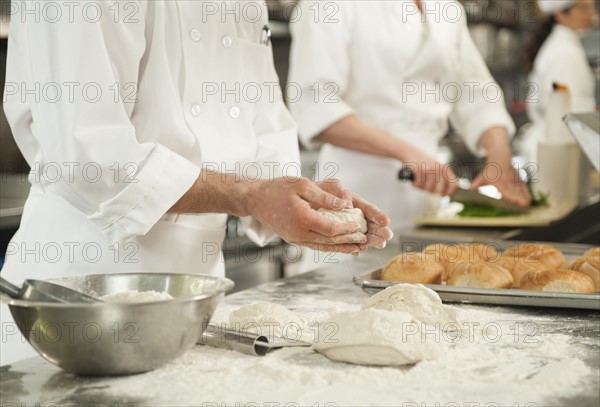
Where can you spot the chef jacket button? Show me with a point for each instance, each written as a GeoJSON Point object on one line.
{"type": "Point", "coordinates": [234, 112]}
{"type": "Point", "coordinates": [227, 41]}
{"type": "Point", "coordinates": [195, 110]}
{"type": "Point", "coordinates": [195, 35]}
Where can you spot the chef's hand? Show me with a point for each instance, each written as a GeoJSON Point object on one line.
{"type": "Point", "coordinates": [498, 171]}
{"type": "Point", "coordinates": [430, 175]}
{"type": "Point", "coordinates": [378, 232]}
{"type": "Point", "coordinates": [288, 206]}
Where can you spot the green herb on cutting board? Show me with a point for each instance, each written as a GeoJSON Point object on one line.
{"type": "Point", "coordinates": [480, 210]}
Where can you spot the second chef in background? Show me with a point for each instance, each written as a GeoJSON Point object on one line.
{"type": "Point", "coordinates": [380, 80]}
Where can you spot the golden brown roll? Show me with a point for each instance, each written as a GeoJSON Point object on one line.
{"type": "Point", "coordinates": [480, 274]}
{"type": "Point", "coordinates": [547, 254]}
{"type": "Point", "coordinates": [593, 252]}
{"type": "Point", "coordinates": [590, 266]}
{"type": "Point", "coordinates": [448, 256]}
{"type": "Point", "coordinates": [564, 281]}
{"type": "Point", "coordinates": [413, 268]}
{"type": "Point", "coordinates": [518, 267]}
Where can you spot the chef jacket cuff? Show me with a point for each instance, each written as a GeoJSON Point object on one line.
{"type": "Point", "coordinates": [162, 180]}
{"type": "Point", "coordinates": [484, 122]}
{"type": "Point", "coordinates": [318, 117]}
{"type": "Point", "coordinates": [257, 232]}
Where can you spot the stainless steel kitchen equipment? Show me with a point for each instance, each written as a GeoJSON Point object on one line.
{"type": "Point", "coordinates": [245, 342]}
{"type": "Point", "coordinates": [44, 291]}
{"type": "Point", "coordinates": [371, 283]}
{"type": "Point", "coordinates": [586, 129]}
{"type": "Point", "coordinates": [467, 195]}
{"type": "Point", "coordinates": [118, 339]}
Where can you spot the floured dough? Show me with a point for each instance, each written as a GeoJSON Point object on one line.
{"type": "Point", "coordinates": [270, 320]}
{"type": "Point", "coordinates": [346, 215]}
{"type": "Point", "coordinates": [134, 296]}
{"type": "Point", "coordinates": [376, 337]}
{"type": "Point", "coordinates": [421, 302]}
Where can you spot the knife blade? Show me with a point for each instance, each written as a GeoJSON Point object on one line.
{"type": "Point", "coordinates": [469, 195]}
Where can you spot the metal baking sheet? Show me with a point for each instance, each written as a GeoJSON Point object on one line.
{"type": "Point", "coordinates": [371, 283]}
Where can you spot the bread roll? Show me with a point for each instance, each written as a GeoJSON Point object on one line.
{"type": "Point", "coordinates": [448, 256]}
{"type": "Point", "coordinates": [480, 274]}
{"type": "Point", "coordinates": [593, 252]}
{"type": "Point", "coordinates": [589, 266]}
{"type": "Point", "coordinates": [566, 281]}
{"type": "Point", "coordinates": [547, 254]}
{"type": "Point", "coordinates": [413, 268]}
{"type": "Point", "coordinates": [518, 267]}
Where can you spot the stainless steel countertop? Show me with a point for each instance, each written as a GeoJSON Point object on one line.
{"type": "Point", "coordinates": [37, 381]}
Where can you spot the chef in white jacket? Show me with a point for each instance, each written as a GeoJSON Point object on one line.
{"type": "Point", "coordinates": [379, 81]}
{"type": "Point", "coordinates": [555, 54]}
{"type": "Point", "coordinates": [145, 124]}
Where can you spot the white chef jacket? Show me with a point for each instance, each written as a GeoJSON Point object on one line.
{"type": "Point", "coordinates": [561, 59]}
{"type": "Point", "coordinates": [152, 91]}
{"type": "Point", "coordinates": [395, 71]}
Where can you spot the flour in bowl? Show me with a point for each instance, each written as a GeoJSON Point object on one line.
{"type": "Point", "coordinates": [133, 296]}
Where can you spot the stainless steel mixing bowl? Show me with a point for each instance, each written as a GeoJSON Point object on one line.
{"type": "Point", "coordinates": [118, 339]}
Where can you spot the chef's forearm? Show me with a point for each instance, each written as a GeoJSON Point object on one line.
{"type": "Point", "coordinates": [495, 142]}
{"type": "Point", "coordinates": [353, 134]}
{"type": "Point", "coordinates": [215, 192]}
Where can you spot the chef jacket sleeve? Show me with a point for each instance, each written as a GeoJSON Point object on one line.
{"type": "Point", "coordinates": [277, 154]}
{"type": "Point", "coordinates": [123, 185]}
{"type": "Point", "coordinates": [481, 104]}
{"type": "Point", "coordinates": [319, 68]}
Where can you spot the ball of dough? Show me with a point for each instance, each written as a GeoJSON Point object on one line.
{"type": "Point", "coordinates": [547, 254]}
{"type": "Point", "coordinates": [346, 215]}
{"type": "Point", "coordinates": [377, 337]}
{"type": "Point", "coordinates": [448, 256]}
{"type": "Point", "coordinates": [589, 266]}
{"type": "Point", "coordinates": [413, 267]}
{"type": "Point", "coordinates": [270, 320]}
{"type": "Point", "coordinates": [566, 281]}
{"type": "Point", "coordinates": [424, 304]}
{"type": "Point", "coordinates": [480, 275]}
{"type": "Point", "coordinates": [518, 267]}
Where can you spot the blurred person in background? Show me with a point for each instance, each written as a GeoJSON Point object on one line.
{"type": "Point", "coordinates": [380, 81]}
{"type": "Point", "coordinates": [555, 54]}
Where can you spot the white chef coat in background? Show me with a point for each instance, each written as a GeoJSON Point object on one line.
{"type": "Point", "coordinates": [561, 59]}
{"type": "Point", "coordinates": [380, 61]}
{"type": "Point", "coordinates": [181, 72]}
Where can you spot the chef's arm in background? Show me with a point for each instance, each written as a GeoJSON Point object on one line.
{"type": "Point", "coordinates": [481, 118]}
{"type": "Point", "coordinates": [287, 205]}
{"type": "Point", "coordinates": [499, 170]}
{"type": "Point", "coordinates": [351, 133]}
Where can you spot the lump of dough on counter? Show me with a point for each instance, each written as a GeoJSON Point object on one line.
{"type": "Point", "coordinates": [547, 254]}
{"type": "Point", "coordinates": [565, 281]}
{"type": "Point", "coordinates": [424, 304]}
{"type": "Point", "coordinates": [346, 215]}
{"type": "Point", "coordinates": [413, 267]}
{"type": "Point", "coordinates": [480, 275]}
{"type": "Point", "coordinates": [377, 337]}
{"type": "Point", "coordinates": [270, 320]}
{"type": "Point", "coordinates": [134, 296]}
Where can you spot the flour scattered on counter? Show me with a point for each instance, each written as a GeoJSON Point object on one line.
{"type": "Point", "coordinates": [130, 297]}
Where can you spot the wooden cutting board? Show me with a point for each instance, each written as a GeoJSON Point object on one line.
{"type": "Point", "coordinates": [542, 216]}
